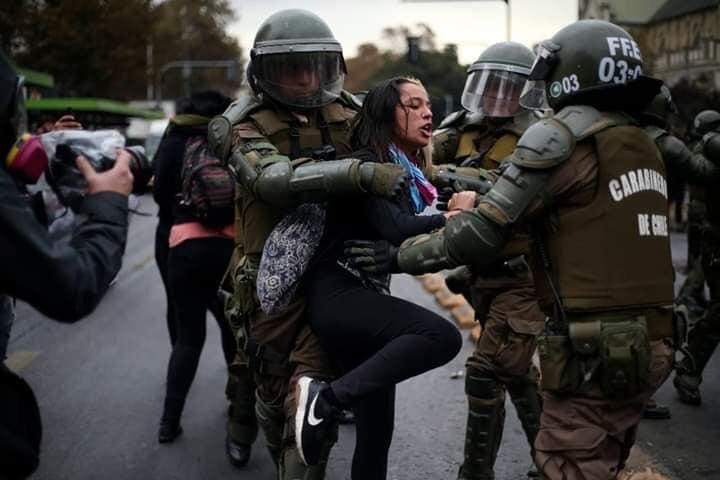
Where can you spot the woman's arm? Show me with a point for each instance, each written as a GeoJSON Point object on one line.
{"type": "Point", "coordinates": [395, 224]}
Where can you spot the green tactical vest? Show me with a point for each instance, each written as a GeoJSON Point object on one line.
{"type": "Point", "coordinates": [255, 219]}
{"type": "Point", "coordinates": [614, 252]}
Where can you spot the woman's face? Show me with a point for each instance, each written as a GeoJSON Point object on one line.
{"type": "Point", "coordinates": [413, 118]}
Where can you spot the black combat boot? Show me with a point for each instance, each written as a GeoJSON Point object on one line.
{"type": "Point", "coordinates": [242, 427]}
{"type": "Point", "coordinates": [526, 398]}
{"type": "Point", "coordinates": [486, 418]}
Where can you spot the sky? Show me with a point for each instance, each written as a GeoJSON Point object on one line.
{"type": "Point", "coordinates": [471, 24]}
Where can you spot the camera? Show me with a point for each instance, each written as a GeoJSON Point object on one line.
{"type": "Point", "coordinates": [100, 148]}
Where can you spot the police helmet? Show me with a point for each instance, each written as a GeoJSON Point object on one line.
{"type": "Point", "coordinates": [705, 122]}
{"type": "Point", "coordinates": [496, 79]}
{"type": "Point", "coordinates": [591, 62]}
{"type": "Point", "coordinates": [296, 60]}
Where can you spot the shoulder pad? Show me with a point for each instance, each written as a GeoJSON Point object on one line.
{"type": "Point", "coordinates": [585, 121]}
{"type": "Point", "coordinates": [545, 144]}
{"type": "Point", "coordinates": [220, 127]}
{"type": "Point", "coordinates": [452, 120]}
{"type": "Point", "coordinates": [655, 133]}
{"type": "Point", "coordinates": [239, 110]}
{"type": "Point", "coordinates": [350, 100]}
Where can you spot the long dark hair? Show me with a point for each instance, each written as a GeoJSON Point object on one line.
{"type": "Point", "coordinates": [207, 103]}
{"type": "Point", "coordinates": [373, 126]}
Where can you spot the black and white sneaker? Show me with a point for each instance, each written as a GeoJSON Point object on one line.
{"type": "Point", "coordinates": [314, 420]}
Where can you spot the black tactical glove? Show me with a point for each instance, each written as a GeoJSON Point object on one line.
{"type": "Point", "coordinates": [384, 179]}
{"type": "Point", "coordinates": [372, 256]}
{"type": "Point", "coordinates": [444, 196]}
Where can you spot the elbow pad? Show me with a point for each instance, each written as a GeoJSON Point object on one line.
{"type": "Point", "coordinates": [469, 238]}
{"type": "Point", "coordinates": [513, 193]}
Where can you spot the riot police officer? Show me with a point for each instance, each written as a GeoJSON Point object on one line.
{"type": "Point", "coordinates": [705, 334]}
{"type": "Point", "coordinates": [693, 168]}
{"type": "Point", "coordinates": [485, 132]}
{"type": "Point", "coordinates": [692, 292]}
{"type": "Point", "coordinates": [502, 293]}
{"type": "Point", "coordinates": [298, 112]}
{"type": "Point", "coordinates": [586, 179]}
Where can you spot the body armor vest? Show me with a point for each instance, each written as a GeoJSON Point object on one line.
{"type": "Point", "coordinates": [328, 128]}
{"type": "Point", "coordinates": [254, 219]}
{"type": "Point", "coordinates": [614, 252]}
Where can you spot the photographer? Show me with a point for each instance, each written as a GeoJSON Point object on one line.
{"type": "Point", "coordinates": [64, 282]}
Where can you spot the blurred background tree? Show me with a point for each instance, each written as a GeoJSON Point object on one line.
{"type": "Point", "coordinates": [411, 52]}
{"type": "Point", "coordinates": [114, 48]}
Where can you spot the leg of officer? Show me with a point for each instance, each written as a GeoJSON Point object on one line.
{"type": "Point", "coordinates": [585, 438]}
{"type": "Point", "coordinates": [705, 334]}
{"type": "Point", "coordinates": [501, 361]}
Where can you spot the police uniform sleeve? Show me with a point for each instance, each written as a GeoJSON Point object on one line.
{"type": "Point", "coordinates": [275, 179]}
{"type": "Point", "coordinates": [63, 281]}
{"type": "Point", "coordinates": [695, 167]}
{"type": "Point", "coordinates": [477, 236]}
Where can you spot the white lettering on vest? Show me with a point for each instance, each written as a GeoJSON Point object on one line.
{"type": "Point", "coordinates": [636, 181]}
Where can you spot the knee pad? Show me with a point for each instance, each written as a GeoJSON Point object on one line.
{"type": "Point", "coordinates": [480, 384]}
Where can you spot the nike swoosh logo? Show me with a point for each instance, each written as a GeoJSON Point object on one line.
{"type": "Point", "coordinates": [312, 419]}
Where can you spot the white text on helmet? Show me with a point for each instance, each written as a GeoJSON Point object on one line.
{"type": "Point", "coordinates": [627, 47]}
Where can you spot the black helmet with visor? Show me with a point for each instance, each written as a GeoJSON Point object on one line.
{"type": "Point", "coordinates": [589, 62]}
{"type": "Point", "coordinates": [297, 61]}
{"type": "Point", "coordinates": [496, 79]}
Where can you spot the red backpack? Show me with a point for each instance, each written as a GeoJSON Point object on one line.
{"type": "Point", "coordinates": [207, 185]}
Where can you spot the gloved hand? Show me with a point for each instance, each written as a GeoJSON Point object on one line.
{"type": "Point", "coordinates": [372, 256]}
{"type": "Point", "coordinates": [384, 179]}
{"type": "Point", "coordinates": [443, 198]}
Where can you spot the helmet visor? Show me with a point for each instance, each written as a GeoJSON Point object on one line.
{"type": "Point", "coordinates": [493, 92]}
{"type": "Point", "coordinates": [533, 96]}
{"type": "Point", "coordinates": [301, 79]}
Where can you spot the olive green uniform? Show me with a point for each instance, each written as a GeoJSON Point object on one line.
{"type": "Point", "coordinates": [607, 346]}
{"type": "Point", "coordinates": [281, 347]}
{"type": "Point", "coordinates": [505, 304]}
{"type": "Point", "coordinates": [705, 334]}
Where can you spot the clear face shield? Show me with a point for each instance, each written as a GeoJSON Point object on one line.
{"type": "Point", "coordinates": [301, 79]}
{"type": "Point", "coordinates": [534, 94]}
{"type": "Point", "coordinates": [493, 90]}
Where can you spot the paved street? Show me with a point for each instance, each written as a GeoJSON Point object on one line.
{"type": "Point", "coordinates": [100, 385]}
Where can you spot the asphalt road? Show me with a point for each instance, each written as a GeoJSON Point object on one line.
{"type": "Point", "coordinates": [100, 385]}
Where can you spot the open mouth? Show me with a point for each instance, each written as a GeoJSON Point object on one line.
{"type": "Point", "coordinates": [427, 128]}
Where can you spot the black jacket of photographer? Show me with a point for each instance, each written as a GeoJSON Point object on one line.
{"type": "Point", "coordinates": [64, 281]}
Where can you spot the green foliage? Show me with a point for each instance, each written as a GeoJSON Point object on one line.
{"type": "Point", "coordinates": [439, 71]}
{"type": "Point", "coordinates": [101, 48]}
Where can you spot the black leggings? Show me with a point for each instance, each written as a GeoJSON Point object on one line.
{"type": "Point", "coordinates": [378, 341]}
{"type": "Point", "coordinates": [162, 251]}
{"type": "Point", "coordinates": [195, 268]}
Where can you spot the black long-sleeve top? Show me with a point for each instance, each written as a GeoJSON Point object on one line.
{"type": "Point", "coordinates": [371, 218]}
{"type": "Point", "coordinates": [63, 281]}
